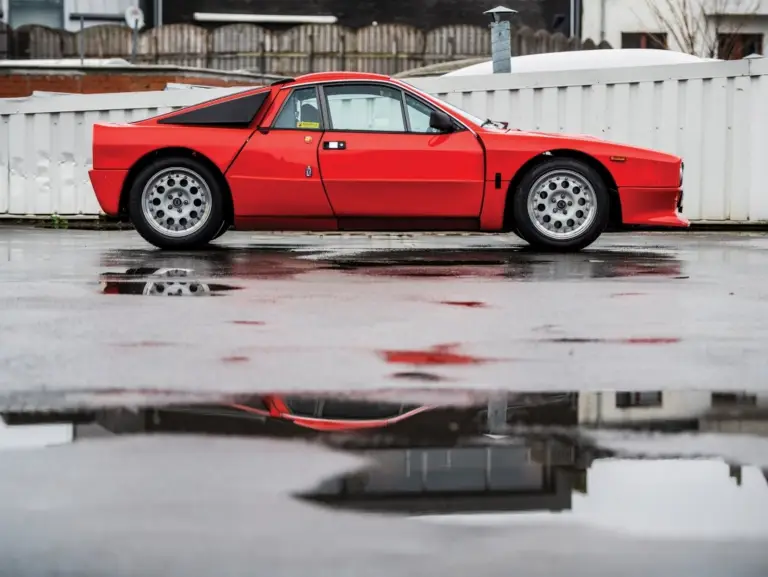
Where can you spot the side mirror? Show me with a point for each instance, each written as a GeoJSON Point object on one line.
{"type": "Point", "coordinates": [439, 120]}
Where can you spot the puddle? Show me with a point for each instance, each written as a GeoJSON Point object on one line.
{"type": "Point", "coordinates": [559, 455]}
{"type": "Point", "coordinates": [510, 264]}
{"type": "Point", "coordinates": [501, 262]}
{"type": "Point", "coordinates": [174, 282]}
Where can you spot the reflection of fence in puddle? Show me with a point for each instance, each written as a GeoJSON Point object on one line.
{"type": "Point", "coordinates": [431, 480]}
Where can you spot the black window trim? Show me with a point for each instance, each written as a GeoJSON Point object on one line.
{"type": "Point", "coordinates": [460, 127]}
{"type": "Point", "coordinates": [209, 114]}
{"type": "Point", "coordinates": [294, 89]}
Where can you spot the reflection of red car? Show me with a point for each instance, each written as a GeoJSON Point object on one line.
{"type": "Point", "coordinates": [356, 151]}
{"type": "Point", "coordinates": [332, 414]}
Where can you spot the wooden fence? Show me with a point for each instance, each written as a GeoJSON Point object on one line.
{"type": "Point", "coordinates": [384, 48]}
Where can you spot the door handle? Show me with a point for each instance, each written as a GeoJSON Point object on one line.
{"type": "Point", "coordinates": [334, 145]}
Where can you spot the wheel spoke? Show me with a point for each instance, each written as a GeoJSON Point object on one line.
{"type": "Point", "coordinates": [176, 202]}
{"type": "Point", "coordinates": [562, 204]}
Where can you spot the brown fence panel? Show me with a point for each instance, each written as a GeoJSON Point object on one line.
{"type": "Point", "coordinates": [382, 48]}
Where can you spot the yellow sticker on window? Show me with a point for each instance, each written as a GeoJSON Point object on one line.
{"type": "Point", "coordinates": [307, 125]}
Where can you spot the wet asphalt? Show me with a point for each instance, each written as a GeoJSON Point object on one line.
{"type": "Point", "coordinates": [86, 309]}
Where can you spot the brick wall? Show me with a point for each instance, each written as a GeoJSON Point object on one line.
{"type": "Point", "coordinates": [16, 82]}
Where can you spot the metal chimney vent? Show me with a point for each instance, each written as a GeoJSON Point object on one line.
{"type": "Point", "coordinates": [501, 38]}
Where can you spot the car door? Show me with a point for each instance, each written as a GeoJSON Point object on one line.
{"type": "Point", "coordinates": [276, 174]}
{"type": "Point", "coordinates": [379, 157]}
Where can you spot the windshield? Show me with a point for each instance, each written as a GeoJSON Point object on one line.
{"type": "Point", "coordinates": [453, 108]}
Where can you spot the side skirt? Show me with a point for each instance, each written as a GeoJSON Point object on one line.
{"type": "Point", "coordinates": [409, 224]}
{"type": "Point", "coordinates": [360, 224]}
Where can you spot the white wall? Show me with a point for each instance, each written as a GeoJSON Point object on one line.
{"type": "Point", "coordinates": [116, 7]}
{"type": "Point", "coordinates": [45, 145]}
{"type": "Point", "coordinates": [636, 16]}
{"type": "Point", "coordinates": [94, 7]}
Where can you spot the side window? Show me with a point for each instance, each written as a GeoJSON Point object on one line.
{"type": "Point", "coordinates": [300, 111]}
{"type": "Point", "coordinates": [418, 115]}
{"type": "Point", "coordinates": [365, 107]}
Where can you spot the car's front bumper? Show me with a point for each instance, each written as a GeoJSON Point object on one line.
{"type": "Point", "coordinates": [653, 207]}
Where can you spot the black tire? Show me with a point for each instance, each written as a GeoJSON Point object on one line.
{"type": "Point", "coordinates": [526, 225]}
{"type": "Point", "coordinates": [197, 239]}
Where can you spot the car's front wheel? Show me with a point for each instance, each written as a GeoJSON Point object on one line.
{"type": "Point", "coordinates": [176, 203]}
{"type": "Point", "coordinates": [561, 204]}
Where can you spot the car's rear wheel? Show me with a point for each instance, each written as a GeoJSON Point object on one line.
{"type": "Point", "coordinates": [176, 203]}
{"type": "Point", "coordinates": [561, 205]}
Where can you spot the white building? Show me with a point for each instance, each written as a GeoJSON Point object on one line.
{"type": "Point", "coordinates": [624, 408]}
{"type": "Point", "coordinates": [59, 13]}
{"type": "Point", "coordinates": [719, 28]}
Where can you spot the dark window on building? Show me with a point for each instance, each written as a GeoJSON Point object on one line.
{"type": "Point", "coordinates": [733, 399]}
{"type": "Point", "coordinates": [657, 40]}
{"type": "Point", "coordinates": [626, 400]}
{"type": "Point", "coordinates": [736, 46]}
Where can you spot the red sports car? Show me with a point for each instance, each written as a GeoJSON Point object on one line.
{"type": "Point", "coordinates": [357, 151]}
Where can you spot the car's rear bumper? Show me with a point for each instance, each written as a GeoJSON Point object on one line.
{"type": "Point", "coordinates": [652, 207]}
{"type": "Point", "coordinates": [107, 184]}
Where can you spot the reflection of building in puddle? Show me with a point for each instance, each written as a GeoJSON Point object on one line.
{"type": "Point", "coordinates": [740, 413]}
{"type": "Point", "coordinates": [159, 282]}
{"type": "Point", "coordinates": [683, 410]}
{"type": "Point", "coordinates": [724, 412]}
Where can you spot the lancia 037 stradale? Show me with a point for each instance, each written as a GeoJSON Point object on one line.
{"type": "Point", "coordinates": [357, 151]}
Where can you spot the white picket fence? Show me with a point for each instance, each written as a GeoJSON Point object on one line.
{"type": "Point", "coordinates": [713, 114]}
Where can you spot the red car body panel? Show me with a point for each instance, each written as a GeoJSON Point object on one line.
{"type": "Point", "coordinates": [280, 186]}
{"type": "Point", "coordinates": [120, 146]}
{"type": "Point", "coordinates": [422, 175]}
{"type": "Point", "coordinates": [107, 184]}
{"type": "Point", "coordinates": [286, 179]}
